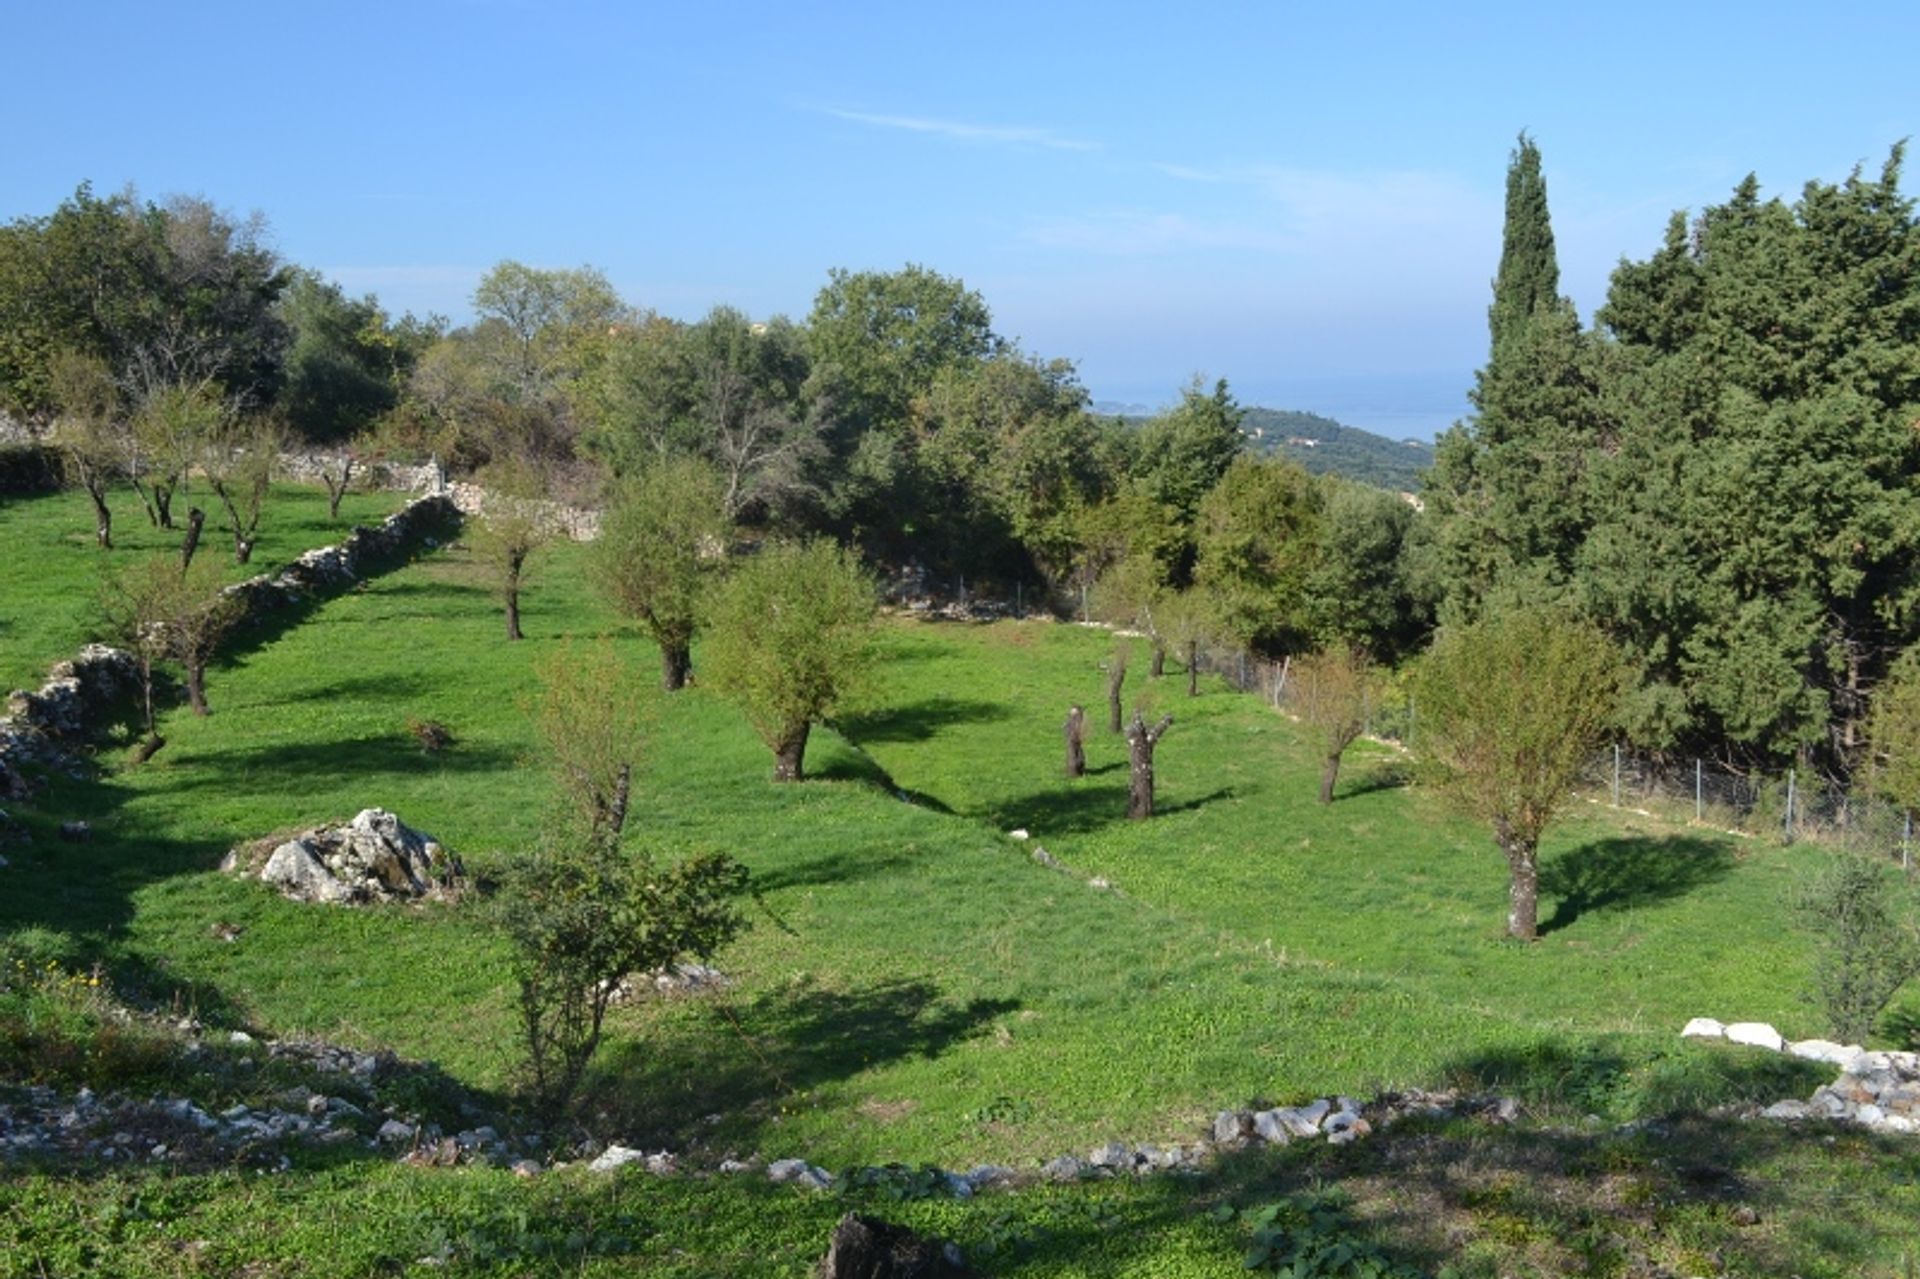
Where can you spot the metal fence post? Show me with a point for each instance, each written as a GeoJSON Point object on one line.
{"type": "Point", "coordinates": [1906, 843]}
{"type": "Point", "coordinates": [1413, 718]}
{"type": "Point", "coordinates": [1789, 819]}
{"type": "Point", "coordinates": [1699, 808]}
{"type": "Point", "coordinates": [1616, 774]}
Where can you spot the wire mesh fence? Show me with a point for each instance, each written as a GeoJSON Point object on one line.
{"type": "Point", "coordinates": [1789, 807]}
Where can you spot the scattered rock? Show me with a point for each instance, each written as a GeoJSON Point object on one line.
{"type": "Point", "coordinates": [1065, 1168]}
{"type": "Point", "coordinates": [868, 1248]}
{"type": "Point", "coordinates": [76, 832]}
{"type": "Point", "coordinates": [525, 1168]}
{"type": "Point", "coordinates": [1017, 834]}
{"type": "Point", "coordinates": [617, 1156]}
{"type": "Point", "coordinates": [1756, 1034]}
{"type": "Point", "coordinates": [799, 1172]}
{"type": "Point", "coordinates": [1232, 1127]}
{"type": "Point", "coordinates": [1112, 1156]}
{"type": "Point", "coordinates": [1703, 1028]}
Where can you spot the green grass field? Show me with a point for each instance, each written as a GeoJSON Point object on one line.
{"type": "Point", "coordinates": [50, 568]}
{"type": "Point", "coordinates": [929, 992]}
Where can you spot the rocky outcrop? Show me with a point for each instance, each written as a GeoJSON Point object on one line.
{"type": "Point", "coordinates": [373, 858]}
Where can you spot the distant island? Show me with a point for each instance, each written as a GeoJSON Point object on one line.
{"type": "Point", "coordinates": [1320, 444]}
{"type": "Point", "coordinates": [1325, 446]}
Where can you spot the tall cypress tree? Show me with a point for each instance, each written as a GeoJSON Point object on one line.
{"type": "Point", "coordinates": [1507, 490]}
{"type": "Point", "coordinates": [1529, 276]}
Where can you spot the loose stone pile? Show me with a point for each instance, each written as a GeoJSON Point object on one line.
{"type": "Point", "coordinates": [374, 858]}
{"type": "Point", "coordinates": [43, 1123]}
{"type": "Point", "coordinates": [1877, 1090]}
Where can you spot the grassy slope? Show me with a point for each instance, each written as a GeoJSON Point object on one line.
{"type": "Point", "coordinates": [49, 571]}
{"type": "Point", "coordinates": [939, 995]}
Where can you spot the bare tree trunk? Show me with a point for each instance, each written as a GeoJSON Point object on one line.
{"type": "Point", "coordinates": [513, 596]}
{"type": "Point", "coordinates": [1116, 678]}
{"type": "Point", "coordinates": [1076, 731]}
{"type": "Point", "coordinates": [195, 518]}
{"type": "Point", "coordinates": [102, 518]}
{"type": "Point", "coordinates": [242, 549]}
{"type": "Point", "coordinates": [1140, 743]}
{"type": "Point", "coordinates": [147, 749]}
{"type": "Point", "coordinates": [676, 664]}
{"type": "Point", "coordinates": [337, 491]}
{"type": "Point", "coordinates": [163, 506]}
{"type": "Point", "coordinates": [1523, 908]}
{"type": "Point", "coordinates": [1193, 668]}
{"type": "Point", "coordinates": [623, 790]}
{"type": "Point", "coordinates": [197, 686]}
{"type": "Point", "coordinates": [1159, 667]}
{"type": "Point", "coordinates": [1329, 773]}
{"type": "Point", "coordinates": [789, 753]}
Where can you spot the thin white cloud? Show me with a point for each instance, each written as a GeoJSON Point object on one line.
{"type": "Point", "coordinates": [1281, 211]}
{"type": "Point", "coordinates": [962, 131]}
{"type": "Point", "coordinates": [1138, 232]}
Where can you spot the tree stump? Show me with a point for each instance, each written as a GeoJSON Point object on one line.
{"type": "Point", "coordinates": [1076, 729]}
{"type": "Point", "coordinates": [1140, 743]}
{"type": "Point", "coordinates": [868, 1248]}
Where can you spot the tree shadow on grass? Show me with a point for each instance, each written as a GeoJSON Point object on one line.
{"type": "Point", "coordinates": [339, 760]}
{"type": "Point", "coordinates": [740, 1059]}
{"type": "Point", "coordinates": [845, 866]}
{"type": "Point", "coordinates": [919, 721]}
{"type": "Point", "coordinates": [389, 687]}
{"type": "Point", "coordinates": [1391, 774]}
{"type": "Point", "coordinates": [1621, 874]}
{"type": "Point", "coordinates": [1082, 808]}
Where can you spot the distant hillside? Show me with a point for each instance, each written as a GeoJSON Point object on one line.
{"type": "Point", "coordinates": [1324, 446]}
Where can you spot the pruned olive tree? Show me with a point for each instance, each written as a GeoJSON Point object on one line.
{"type": "Point", "coordinates": [510, 528]}
{"type": "Point", "coordinates": [238, 457]}
{"type": "Point", "coordinates": [1511, 709]}
{"type": "Point", "coordinates": [586, 911]}
{"type": "Point", "coordinates": [661, 540]}
{"type": "Point", "coordinates": [1333, 691]}
{"type": "Point", "coordinates": [89, 432]}
{"type": "Point", "coordinates": [789, 640]}
{"type": "Point", "coordinates": [162, 612]}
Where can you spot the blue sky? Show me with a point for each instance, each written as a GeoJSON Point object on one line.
{"type": "Point", "coordinates": [1304, 199]}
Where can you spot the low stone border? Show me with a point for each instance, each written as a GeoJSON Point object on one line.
{"type": "Point", "coordinates": [1877, 1090]}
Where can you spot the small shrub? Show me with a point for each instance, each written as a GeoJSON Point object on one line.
{"type": "Point", "coordinates": [1867, 939]}
{"type": "Point", "coordinates": [1308, 1235]}
{"type": "Point", "coordinates": [431, 735]}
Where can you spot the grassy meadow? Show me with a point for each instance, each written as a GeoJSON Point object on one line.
{"type": "Point", "coordinates": [920, 988]}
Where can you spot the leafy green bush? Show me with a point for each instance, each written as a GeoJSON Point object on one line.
{"type": "Point", "coordinates": [1867, 934]}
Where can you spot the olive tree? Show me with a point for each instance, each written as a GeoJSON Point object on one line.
{"type": "Point", "coordinates": [1511, 709]}
{"type": "Point", "coordinates": [1332, 689]}
{"type": "Point", "coordinates": [584, 911]}
{"type": "Point", "coordinates": [510, 528]}
{"type": "Point", "coordinates": [163, 612]}
{"type": "Point", "coordinates": [89, 431]}
{"type": "Point", "coordinates": [789, 639]}
{"type": "Point", "coordinates": [661, 539]}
